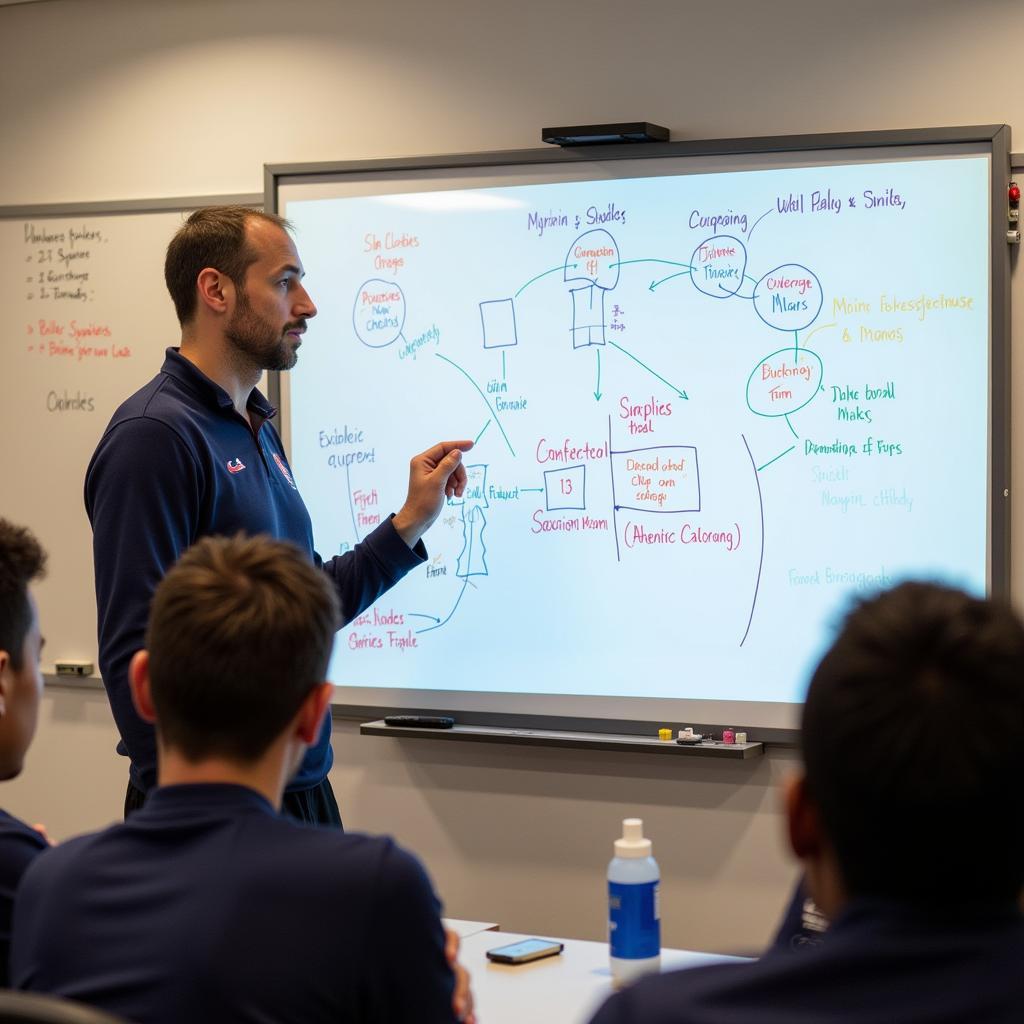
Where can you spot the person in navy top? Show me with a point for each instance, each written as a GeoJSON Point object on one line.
{"type": "Point", "coordinates": [21, 685]}
{"type": "Point", "coordinates": [194, 453]}
{"type": "Point", "coordinates": [206, 904]}
{"type": "Point", "coordinates": [908, 819]}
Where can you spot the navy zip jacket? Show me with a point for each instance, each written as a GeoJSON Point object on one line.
{"type": "Point", "coordinates": [878, 962]}
{"type": "Point", "coordinates": [177, 463]}
{"type": "Point", "coordinates": [19, 846]}
{"type": "Point", "coordinates": [206, 906]}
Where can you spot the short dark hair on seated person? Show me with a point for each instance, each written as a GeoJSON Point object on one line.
{"type": "Point", "coordinates": [912, 737]}
{"type": "Point", "coordinates": [240, 631]}
{"type": "Point", "coordinates": [21, 561]}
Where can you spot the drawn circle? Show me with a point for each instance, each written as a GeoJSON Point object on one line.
{"type": "Point", "coordinates": [718, 265]}
{"type": "Point", "coordinates": [784, 381]}
{"type": "Point", "coordinates": [788, 298]}
{"type": "Point", "coordinates": [378, 315]}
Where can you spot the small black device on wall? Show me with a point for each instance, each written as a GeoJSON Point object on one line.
{"type": "Point", "coordinates": [605, 134]}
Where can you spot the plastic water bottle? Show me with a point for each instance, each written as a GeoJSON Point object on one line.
{"type": "Point", "coordinates": [634, 924]}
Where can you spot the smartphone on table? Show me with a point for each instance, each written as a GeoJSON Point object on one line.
{"type": "Point", "coordinates": [524, 951]}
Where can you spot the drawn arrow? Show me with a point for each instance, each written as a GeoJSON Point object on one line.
{"type": "Point", "coordinates": [483, 396]}
{"type": "Point", "coordinates": [670, 263]}
{"type": "Point", "coordinates": [438, 623]}
{"type": "Point", "coordinates": [597, 393]}
{"type": "Point", "coordinates": [678, 391]}
{"type": "Point", "coordinates": [417, 615]}
{"type": "Point", "coordinates": [553, 270]}
{"type": "Point", "coordinates": [682, 273]}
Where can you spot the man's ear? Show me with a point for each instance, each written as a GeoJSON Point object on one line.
{"type": "Point", "coordinates": [311, 713]}
{"type": "Point", "coordinates": [138, 678]}
{"type": "Point", "coordinates": [803, 820]}
{"type": "Point", "coordinates": [214, 290]}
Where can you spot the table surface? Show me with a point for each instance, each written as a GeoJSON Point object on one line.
{"type": "Point", "coordinates": [466, 928]}
{"type": "Point", "coordinates": [563, 989]}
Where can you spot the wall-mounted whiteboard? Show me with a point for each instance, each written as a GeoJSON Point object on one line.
{"type": "Point", "coordinates": [84, 321]}
{"type": "Point", "coordinates": [714, 398]}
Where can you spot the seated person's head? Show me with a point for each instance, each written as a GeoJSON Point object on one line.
{"type": "Point", "coordinates": [912, 736]}
{"type": "Point", "coordinates": [21, 561]}
{"type": "Point", "coordinates": [240, 634]}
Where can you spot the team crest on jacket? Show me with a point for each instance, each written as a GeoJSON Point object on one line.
{"type": "Point", "coordinates": [284, 470]}
{"type": "Point", "coordinates": [235, 466]}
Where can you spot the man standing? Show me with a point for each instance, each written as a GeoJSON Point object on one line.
{"type": "Point", "coordinates": [193, 454]}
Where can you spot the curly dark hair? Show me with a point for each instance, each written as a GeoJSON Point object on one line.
{"type": "Point", "coordinates": [22, 560]}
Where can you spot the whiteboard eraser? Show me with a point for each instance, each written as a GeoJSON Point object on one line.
{"type": "Point", "coordinates": [74, 668]}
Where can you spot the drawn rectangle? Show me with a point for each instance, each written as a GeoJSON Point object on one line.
{"type": "Point", "coordinates": [498, 317]}
{"type": "Point", "coordinates": [664, 478]}
{"type": "Point", "coordinates": [565, 488]}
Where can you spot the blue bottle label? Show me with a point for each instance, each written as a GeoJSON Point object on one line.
{"type": "Point", "coordinates": [634, 927]}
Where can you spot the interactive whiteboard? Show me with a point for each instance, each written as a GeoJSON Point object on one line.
{"type": "Point", "coordinates": [711, 404]}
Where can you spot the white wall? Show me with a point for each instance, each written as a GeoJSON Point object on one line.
{"type": "Point", "coordinates": [110, 99]}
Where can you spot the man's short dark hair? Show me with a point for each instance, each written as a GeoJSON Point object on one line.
{"type": "Point", "coordinates": [211, 237]}
{"type": "Point", "coordinates": [21, 561]}
{"type": "Point", "coordinates": [912, 738]}
{"type": "Point", "coordinates": [240, 632]}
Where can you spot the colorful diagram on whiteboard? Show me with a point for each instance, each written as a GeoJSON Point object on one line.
{"type": "Point", "coordinates": [707, 411]}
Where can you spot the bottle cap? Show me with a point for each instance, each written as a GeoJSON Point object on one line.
{"type": "Point", "coordinates": [632, 843]}
{"type": "Point", "coordinates": [665, 735]}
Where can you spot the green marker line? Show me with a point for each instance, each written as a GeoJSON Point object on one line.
{"type": "Point", "coordinates": [553, 270]}
{"type": "Point", "coordinates": [776, 459]}
{"type": "Point", "coordinates": [796, 346]}
{"type": "Point", "coordinates": [678, 391]}
{"type": "Point", "coordinates": [682, 273]}
{"type": "Point", "coordinates": [484, 397]}
{"type": "Point", "coordinates": [532, 490]}
{"type": "Point", "coordinates": [791, 430]}
{"type": "Point", "coordinates": [482, 432]}
{"type": "Point", "coordinates": [597, 392]}
{"type": "Point", "coordinates": [671, 263]}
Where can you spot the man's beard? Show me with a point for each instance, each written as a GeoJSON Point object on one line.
{"type": "Point", "coordinates": [254, 338]}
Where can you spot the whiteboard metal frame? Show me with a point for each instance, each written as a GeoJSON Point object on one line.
{"type": "Point", "coordinates": [160, 205]}
{"type": "Point", "coordinates": [561, 714]}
